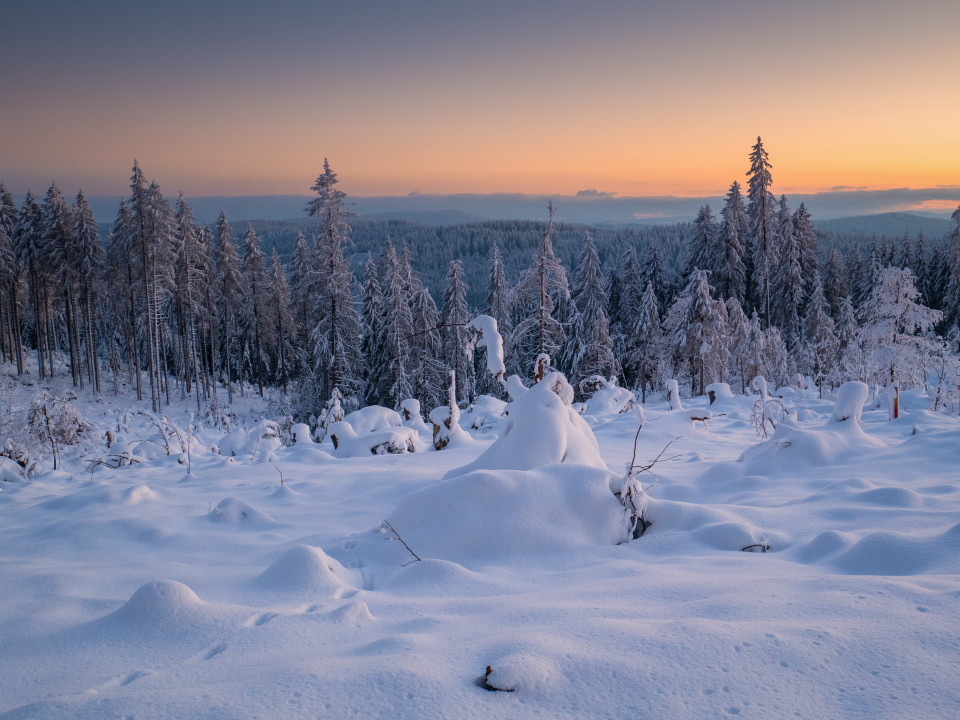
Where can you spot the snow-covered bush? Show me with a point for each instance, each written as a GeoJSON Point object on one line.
{"type": "Point", "coordinates": [260, 440]}
{"type": "Point", "coordinates": [485, 411]}
{"type": "Point", "coordinates": [59, 419]}
{"type": "Point", "coordinates": [372, 418]}
{"type": "Point", "coordinates": [849, 403]}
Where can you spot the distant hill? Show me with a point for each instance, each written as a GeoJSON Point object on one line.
{"type": "Point", "coordinates": [891, 225]}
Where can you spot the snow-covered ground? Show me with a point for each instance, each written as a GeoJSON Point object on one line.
{"type": "Point", "coordinates": [150, 592]}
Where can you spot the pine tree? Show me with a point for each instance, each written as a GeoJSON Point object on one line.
{"type": "Point", "coordinates": [428, 375]}
{"type": "Point", "coordinates": [704, 245]}
{"type": "Point", "coordinates": [497, 307]}
{"type": "Point", "coordinates": [696, 324]}
{"type": "Point", "coordinates": [655, 273]}
{"type": "Point", "coordinates": [455, 336]}
{"type": "Point", "coordinates": [645, 343]}
{"type": "Point", "coordinates": [762, 215]}
{"type": "Point", "coordinates": [537, 332]}
{"type": "Point", "coordinates": [592, 346]}
{"type": "Point", "coordinates": [835, 283]}
{"type": "Point", "coordinates": [788, 283]}
{"type": "Point", "coordinates": [897, 328]}
{"type": "Point", "coordinates": [57, 222]}
{"type": "Point", "coordinates": [738, 330]}
{"type": "Point", "coordinates": [396, 331]}
{"type": "Point", "coordinates": [734, 231]}
{"type": "Point", "coordinates": [819, 338]}
{"type": "Point", "coordinates": [336, 336]}
{"type": "Point", "coordinates": [806, 239]}
{"type": "Point", "coordinates": [284, 341]}
{"type": "Point", "coordinates": [28, 246]}
{"type": "Point", "coordinates": [89, 261]}
{"type": "Point", "coordinates": [624, 315]}
{"type": "Point", "coordinates": [371, 347]}
{"type": "Point", "coordinates": [9, 306]}
{"type": "Point", "coordinates": [303, 272]}
{"type": "Point", "coordinates": [229, 299]}
{"type": "Point", "coordinates": [256, 320]}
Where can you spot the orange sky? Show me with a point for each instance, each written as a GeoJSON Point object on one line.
{"type": "Point", "coordinates": [624, 97]}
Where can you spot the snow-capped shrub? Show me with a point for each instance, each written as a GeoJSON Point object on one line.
{"type": "Point", "coordinates": [262, 438]}
{"type": "Point", "coordinates": [372, 418]}
{"type": "Point", "coordinates": [673, 395]}
{"type": "Point", "coordinates": [53, 416]}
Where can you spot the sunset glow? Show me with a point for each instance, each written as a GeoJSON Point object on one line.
{"type": "Point", "coordinates": [628, 98]}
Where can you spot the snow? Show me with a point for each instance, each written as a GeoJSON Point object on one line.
{"type": "Point", "coordinates": [491, 340]}
{"type": "Point", "coordinates": [542, 428]}
{"type": "Point", "coordinates": [146, 592]}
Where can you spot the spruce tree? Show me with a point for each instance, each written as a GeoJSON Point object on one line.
{"type": "Point", "coordinates": [704, 245]}
{"type": "Point", "coordinates": [229, 300]}
{"type": "Point", "coordinates": [645, 342]}
{"type": "Point", "coordinates": [762, 216]}
{"type": "Point", "coordinates": [336, 335]}
{"type": "Point", "coordinates": [371, 347]}
{"type": "Point", "coordinates": [592, 346]}
{"type": "Point", "coordinates": [284, 341]}
{"type": "Point", "coordinates": [835, 283]}
{"type": "Point", "coordinates": [788, 285]}
{"type": "Point", "coordinates": [89, 262]}
{"type": "Point", "coordinates": [455, 336]}
{"type": "Point", "coordinates": [731, 278]}
{"type": "Point", "coordinates": [429, 377]}
{"type": "Point", "coordinates": [537, 332]}
{"type": "Point", "coordinates": [806, 239]}
{"type": "Point", "coordinates": [257, 322]}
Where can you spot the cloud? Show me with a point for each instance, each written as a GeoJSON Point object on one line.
{"type": "Point", "coordinates": [849, 188]}
{"type": "Point", "coordinates": [936, 205]}
{"type": "Point", "coordinates": [648, 216]}
{"type": "Point", "coordinates": [594, 193]}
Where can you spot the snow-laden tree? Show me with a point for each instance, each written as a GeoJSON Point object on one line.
{"type": "Point", "coordinates": [806, 239]}
{"type": "Point", "coordinates": [257, 320]}
{"type": "Point", "coordinates": [229, 302]}
{"type": "Point", "coordinates": [497, 307]}
{"type": "Point", "coordinates": [455, 336]}
{"type": "Point", "coordinates": [625, 312]}
{"type": "Point", "coordinates": [336, 335]}
{"type": "Point", "coordinates": [283, 344]}
{"type": "Point", "coordinates": [371, 347]}
{"type": "Point", "coordinates": [302, 273]}
{"type": "Point", "coordinates": [820, 347]}
{"type": "Point", "coordinates": [835, 283]}
{"type": "Point", "coordinates": [10, 341]}
{"type": "Point", "coordinates": [654, 272]}
{"type": "Point", "coordinates": [788, 293]}
{"type": "Point", "coordinates": [764, 241]}
{"type": "Point", "coordinates": [537, 331]}
{"type": "Point", "coordinates": [731, 277]}
{"type": "Point", "coordinates": [397, 331]}
{"type": "Point", "coordinates": [738, 336]}
{"type": "Point", "coordinates": [951, 300]}
{"type": "Point", "coordinates": [590, 337]}
{"type": "Point", "coordinates": [429, 376]}
{"type": "Point", "coordinates": [87, 256]}
{"type": "Point", "coordinates": [696, 324]}
{"type": "Point", "coordinates": [896, 333]}
{"type": "Point", "coordinates": [704, 245]}
{"type": "Point", "coordinates": [645, 345]}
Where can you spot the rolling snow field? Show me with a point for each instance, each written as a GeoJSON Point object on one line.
{"type": "Point", "coordinates": [150, 592]}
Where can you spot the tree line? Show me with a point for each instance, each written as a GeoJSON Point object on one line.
{"type": "Point", "coordinates": [176, 308]}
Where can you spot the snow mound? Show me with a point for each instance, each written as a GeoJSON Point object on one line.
{"type": "Point", "coordinates": [791, 447]}
{"type": "Point", "coordinates": [303, 452]}
{"type": "Point", "coordinates": [609, 398]}
{"type": "Point", "coordinates": [851, 397]}
{"type": "Point", "coordinates": [165, 610]}
{"type": "Point", "coordinates": [137, 495]}
{"type": "Point", "coordinates": [232, 511]}
{"type": "Point", "coordinates": [372, 418]}
{"type": "Point", "coordinates": [439, 578]}
{"type": "Point", "coordinates": [542, 428]}
{"type": "Point", "coordinates": [304, 570]}
{"type": "Point", "coordinates": [487, 516]}
{"type": "Point", "coordinates": [396, 440]}
{"type": "Point", "coordinates": [260, 440]}
{"type": "Point", "coordinates": [522, 672]}
{"type": "Point", "coordinates": [719, 391]}
{"type": "Point", "coordinates": [301, 435]}
{"type": "Point", "coordinates": [484, 412]}
{"type": "Point", "coordinates": [412, 418]}
{"type": "Point", "coordinates": [354, 612]}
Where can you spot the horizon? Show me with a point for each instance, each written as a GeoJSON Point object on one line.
{"type": "Point", "coordinates": [554, 99]}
